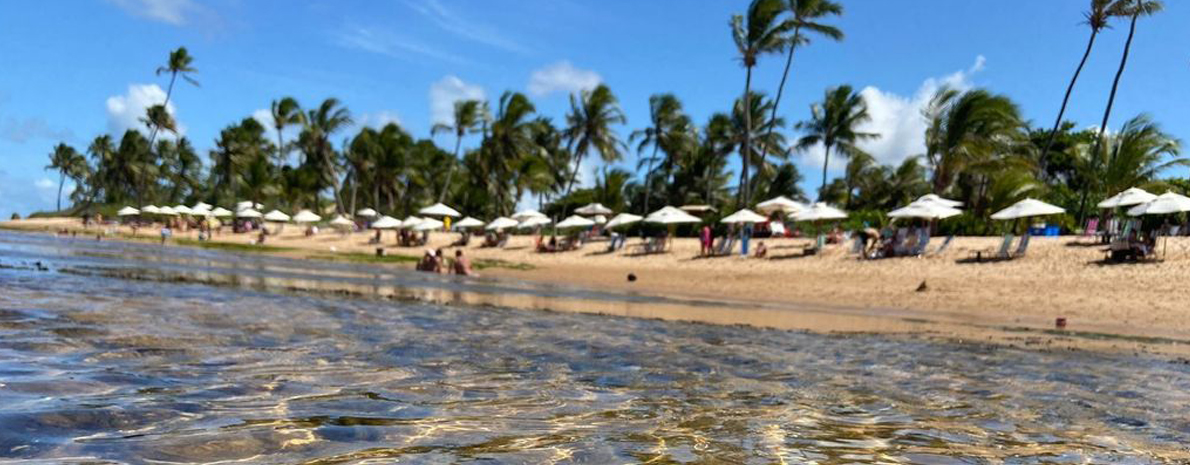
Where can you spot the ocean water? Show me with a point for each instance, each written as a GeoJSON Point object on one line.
{"type": "Point", "coordinates": [136, 353]}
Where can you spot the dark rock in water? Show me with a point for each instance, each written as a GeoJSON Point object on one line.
{"type": "Point", "coordinates": [631, 277]}
{"type": "Point", "coordinates": [922, 287]}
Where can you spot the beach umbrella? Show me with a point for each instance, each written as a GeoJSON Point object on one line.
{"type": "Point", "coordinates": [927, 209]}
{"type": "Point", "coordinates": [468, 222]}
{"type": "Point", "coordinates": [248, 213]}
{"type": "Point", "coordinates": [671, 215]}
{"type": "Point", "coordinates": [501, 223]}
{"type": "Point", "coordinates": [622, 220]}
{"type": "Point", "coordinates": [744, 216]}
{"type": "Point", "coordinates": [1127, 198]}
{"type": "Point", "coordinates": [439, 209]}
{"type": "Point", "coordinates": [410, 222]}
{"type": "Point", "coordinates": [1163, 204]}
{"type": "Point", "coordinates": [781, 204]}
{"type": "Point", "coordinates": [427, 224]}
{"type": "Point", "coordinates": [1027, 208]}
{"type": "Point", "coordinates": [934, 198]}
{"type": "Point", "coordinates": [150, 209]}
{"type": "Point", "coordinates": [246, 204]}
{"type": "Point", "coordinates": [183, 210]}
{"type": "Point", "coordinates": [127, 211]}
{"type": "Point", "coordinates": [599, 219]}
{"type": "Point", "coordinates": [220, 212]}
{"type": "Point", "coordinates": [367, 213]}
{"type": "Point", "coordinates": [535, 221]}
{"type": "Point", "coordinates": [386, 222]}
{"type": "Point", "coordinates": [202, 206]}
{"type": "Point", "coordinates": [276, 216]}
{"type": "Point", "coordinates": [200, 210]}
{"type": "Point", "coordinates": [306, 216]}
{"type": "Point", "coordinates": [593, 209]}
{"type": "Point", "coordinates": [526, 214]}
{"type": "Point", "coordinates": [575, 221]}
{"type": "Point", "coordinates": [697, 208]}
{"type": "Point", "coordinates": [819, 211]}
{"type": "Point", "coordinates": [341, 221]}
{"type": "Point", "coordinates": [168, 211]}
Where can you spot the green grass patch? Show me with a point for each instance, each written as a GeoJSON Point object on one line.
{"type": "Point", "coordinates": [360, 257]}
{"type": "Point", "coordinates": [230, 246]}
{"type": "Point", "coordinates": [484, 263]}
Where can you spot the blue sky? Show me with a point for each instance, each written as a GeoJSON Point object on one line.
{"type": "Point", "coordinates": [75, 69]}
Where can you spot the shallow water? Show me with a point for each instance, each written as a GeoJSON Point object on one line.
{"type": "Point", "coordinates": [106, 353]}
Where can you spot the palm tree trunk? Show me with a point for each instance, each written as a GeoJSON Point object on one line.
{"type": "Point", "coordinates": [61, 180]}
{"type": "Point", "coordinates": [826, 159]}
{"type": "Point", "coordinates": [578, 165]}
{"type": "Point", "coordinates": [1115, 85]}
{"type": "Point", "coordinates": [746, 147]}
{"type": "Point", "coordinates": [168, 93]}
{"type": "Point", "coordinates": [451, 174]}
{"type": "Point", "coordinates": [1062, 111]}
{"type": "Point", "coordinates": [780, 89]}
{"type": "Point", "coordinates": [280, 151]}
{"type": "Point", "coordinates": [354, 188]}
{"type": "Point", "coordinates": [649, 178]}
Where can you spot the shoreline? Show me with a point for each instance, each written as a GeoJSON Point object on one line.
{"type": "Point", "coordinates": [829, 293]}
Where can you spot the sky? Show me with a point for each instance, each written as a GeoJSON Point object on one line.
{"type": "Point", "coordinates": [72, 70]}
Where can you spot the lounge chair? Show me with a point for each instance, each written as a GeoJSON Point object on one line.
{"type": "Point", "coordinates": [923, 241]}
{"type": "Point", "coordinates": [725, 248]}
{"type": "Point", "coordinates": [943, 247]}
{"type": "Point", "coordinates": [1022, 247]}
{"type": "Point", "coordinates": [1092, 227]}
{"type": "Point", "coordinates": [1001, 253]}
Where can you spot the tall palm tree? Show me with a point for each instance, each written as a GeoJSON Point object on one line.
{"type": "Point", "coordinates": [666, 121]}
{"type": "Point", "coordinates": [1096, 19]}
{"type": "Point", "coordinates": [102, 152]}
{"type": "Point", "coordinates": [589, 126]}
{"type": "Point", "coordinates": [286, 112]}
{"type": "Point", "coordinates": [68, 162]}
{"type": "Point", "coordinates": [319, 125]}
{"type": "Point", "coordinates": [966, 128]}
{"type": "Point", "coordinates": [761, 30]}
{"type": "Point", "coordinates": [157, 118]}
{"type": "Point", "coordinates": [178, 65]}
{"type": "Point", "coordinates": [509, 140]}
{"type": "Point", "coordinates": [835, 124]}
{"type": "Point", "coordinates": [469, 118]}
{"type": "Point", "coordinates": [1135, 156]}
{"type": "Point", "coordinates": [1133, 9]}
{"type": "Point", "coordinates": [805, 15]}
{"type": "Point", "coordinates": [767, 142]}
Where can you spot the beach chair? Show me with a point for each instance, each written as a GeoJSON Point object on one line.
{"type": "Point", "coordinates": [1022, 247]}
{"type": "Point", "coordinates": [1092, 227]}
{"type": "Point", "coordinates": [943, 247]}
{"type": "Point", "coordinates": [1001, 253]}
{"type": "Point", "coordinates": [923, 241]}
{"type": "Point", "coordinates": [857, 246]}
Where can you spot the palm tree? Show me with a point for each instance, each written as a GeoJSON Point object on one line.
{"type": "Point", "coordinates": [102, 151]}
{"type": "Point", "coordinates": [157, 118]}
{"type": "Point", "coordinates": [68, 162]}
{"type": "Point", "coordinates": [1135, 157]}
{"type": "Point", "coordinates": [767, 141]}
{"type": "Point", "coordinates": [469, 118]}
{"type": "Point", "coordinates": [805, 13]}
{"type": "Point", "coordinates": [509, 141]}
{"type": "Point", "coordinates": [965, 128]}
{"type": "Point", "coordinates": [1134, 9]}
{"type": "Point", "coordinates": [835, 124]}
{"type": "Point", "coordinates": [285, 112]}
{"type": "Point", "coordinates": [667, 122]}
{"type": "Point", "coordinates": [1096, 18]}
{"type": "Point", "coordinates": [319, 125]}
{"type": "Point", "coordinates": [179, 64]}
{"type": "Point", "coordinates": [589, 127]}
{"type": "Point", "coordinates": [758, 32]}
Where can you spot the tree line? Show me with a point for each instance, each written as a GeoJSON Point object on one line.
{"type": "Point", "coordinates": [978, 148]}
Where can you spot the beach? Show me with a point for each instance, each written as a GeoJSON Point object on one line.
{"type": "Point", "coordinates": [1141, 305]}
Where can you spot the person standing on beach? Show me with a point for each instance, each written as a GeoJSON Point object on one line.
{"type": "Point", "coordinates": [706, 240]}
{"type": "Point", "coordinates": [165, 233]}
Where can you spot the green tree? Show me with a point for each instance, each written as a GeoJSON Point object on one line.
{"type": "Point", "coordinates": [286, 112]}
{"type": "Point", "coordinates": [469, 118]}
{"type": "Point", "coordinates": [834, 123]}
{"type": "Point", "coordinates": [965, 128]}
{"type": "Point", "coordinates": [589, 127]}
{"type": "Point", "coordinates": [669, 127]}
{"type": "Point", "coordinates": [315, 141]}
{"type": "Point", "coordinates": [69, 162]}
{"type": "Point", "coordinates": [760, 31]}
{"type": "Point", "coordinates": [179, 64]}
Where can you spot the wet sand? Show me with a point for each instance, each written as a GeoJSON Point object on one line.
{"type": "Point", "coordinates": [1134, 307]}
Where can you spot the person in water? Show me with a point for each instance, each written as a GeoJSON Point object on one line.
{"type": "Point", "coordinates": [462, 265]}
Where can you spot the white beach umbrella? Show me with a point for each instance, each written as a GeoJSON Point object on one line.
{"type": "Point", "coordinates": [428, 224]}
{"type": "Point", "coordinates": [1027, 208]}
{"type": "Point", "coordinates": [671, 215]}
{"type": "Point", "coordinates": [386, 222]}
{"type": "Point", "coordinates": [168, 211]}
{"type": "Point", "coordinates": [697, 208]}
{"type": "Point", "coordinates": [202, 206]}
{"type": "Point", "coordinates": [535, 221]}
{"type": "Point", "coordinates": [526, 214]}
{"type": "Point", "coordinates": [276, 216]}
{"type": "Point", "coordinates": [1129, 197]}
{"type": "Point", "coordinates": [820, 212]}
{"type": "Point", "coordinates": [744, 216]}
{"type": "Point", "coordinates": [501, 223]}
{"type": "Point", "coordinates": [1163, 204]}
{"type": "Point", "coordinates": [220, 212]}
{"type": "Point", "coordinates": [575, 221]}
{"type": "Point", "coordinates": [439, 209]}
{"type": "Point", "coordinates": [306, 216]}
{"type": "Point", "coordinates": [934, 198]}
{"type": "Point", "coordinates": [248, 213]}
{"type": "Point", "coordinates": [200, 211]}
{"type": "Point", "coordinates": [622, 220]}
{"type": "Point", "coordinates": [467, 223]}
{"type": "Point", "coordinates": [927, 209]}
{"type": "Point", "coordinates": [183, 210]}
{"type": "Point", "coordinates": [782, 204]}
{"type": "Point", "coordinates": [150, 209]}
{"type": "Point", "coordinates": [367, 213]}
{"type": "Point", "coordinates": [593, 209]}
{"type": "Point", "coordinates": [410, 222]}
{"type": "Point", "coordinates": [342, 221]}
{"type": "Point", "coordinates": [127, 211]}
{"type": "Point", "coordinates": [599, 219]}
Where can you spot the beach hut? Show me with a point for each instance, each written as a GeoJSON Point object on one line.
{"type": "Point", "coordinates": [501, 223]}
{"type": "Point", "coordinates": [744, 216]}
{"type": "Point", "coordinates": [366, 213]}
{"type": "Point", "coordinates": [575, 221]}
{"type": "Point", "coordinates": [593, 209]}
{"type": "Point", "coordinates": [781, 204]}
{"type": "Point", "coordinates": [1027, 208]}
{"type": "Point", "coordinates": [306, 216]}
{"type": "Point", "coordinates": [468, 223]}
{"type": "Point", "coordinates": [623, 219]}
{"type": "Point", "coordinates": [128, 211]}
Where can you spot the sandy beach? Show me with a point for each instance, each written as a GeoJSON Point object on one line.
{"type": "Point", "coordinates": [1060, 277]}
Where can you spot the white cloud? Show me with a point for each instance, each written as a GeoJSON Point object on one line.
{"type": "Point", "coordinates": [452, 22]}
{"type": "Point", "coordinates": [562, 77]}
{"type": "Point", "coordinates": [125, 111]}
{"type": "Point", "coordinates": [448, 90]}
{"type": "Point", "coordinates": [898, 119]}
{"type": "Point", "coordinates": [383, 42]}
{"type": "Point", "coordinates": [379, 119]}
{"type": "Point", "coordinates": [173, 12]}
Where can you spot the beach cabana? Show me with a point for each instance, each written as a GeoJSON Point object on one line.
{"type": "Point", "coordinates": [306, 216]}
{"type": "Point", "coordinates": [468, 223]}
{"type": "Point", "coordinates": [781, 204]}
{"type": "Point", "coordinates": [439, 210]}
{"type": "Point", "coordinates": [593, 209]}
{"type": "Point", "coordinates": [128, 211]}
{"type": "Point", "coordinates": [575, 221]}
{"type": "Point", "coordinates": [1027, 208]}
{"type": "Point", "coordinates": [623, 219]}
{"type": "Point", "coordinates": [501, 223]}
{"type": "Point", "coordinates": [744, 216]}
{"type": "Point", "coordinates": [366, 213]}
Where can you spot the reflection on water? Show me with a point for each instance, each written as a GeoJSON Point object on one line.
{"type": "Point", "coordinates": [94, 366]}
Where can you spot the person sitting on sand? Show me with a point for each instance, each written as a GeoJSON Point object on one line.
{"type": "Point", "coordinates": [427, 261]}
{"type": "Point", "coordinates": [462, 265]}
{"type": "Point", "coordinates": [761, 250]}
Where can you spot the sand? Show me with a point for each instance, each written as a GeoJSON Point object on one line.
{"type": "Point", "coordinates": [1060, 277]}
